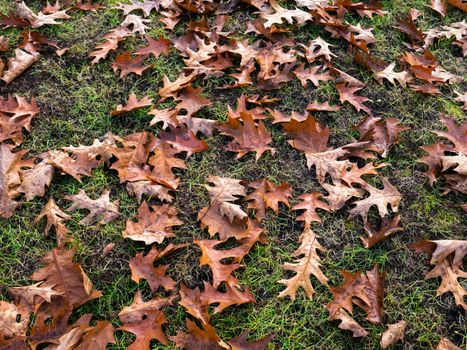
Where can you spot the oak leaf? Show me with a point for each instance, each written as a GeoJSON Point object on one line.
{"type": "Point", "coordinates": [36, 21]}
{"type": "Point", "coordinates": [142, 267]}
{"type": "Point", "coordinates": [317, 48]}
{"type": "Point", "coordinates": [99, 209]}
{"type": "Point", "coordinates": [387, 228]}
{"type": "Point", "coordinates": [127, 64]}
{"type": "Point", "coordinates": [339, 194]}
{"type": "Point", "coordinates": [150, 189]}
{"type": "Point", "coordinates": [347, 94]}
{"type": "Point", "coordinates": [382, 134]}
{"type": "Point", "coordinates": [15, 114]}
{"type": "Point", "coordinates": [364, 289]}
{"type": "Point", "coordinates": [170, 89]}
{"type": "Point", "coordinates": [55, 217]}
{"type": "Point", "coordinates": [267, 195]}
{"type": "Point", "coordinates": [388, 196]}
{"type": "Point", "coordinates": [247, 136]}
{"type": "Point", "coordinates": [153, 225]}
{"type": "Point", "coordinates": [137, 23]}
{"type": "Point", "coordinates": [155, 47]}
{"type": "Point", "coordinates": [388, 73]}
{"type": "Point", "coordinates": [132, 105]}
{"type": "Point", "coordinates": [312, 75]}
{"type": "Point", "coordinates": [307, 263]}
{"type": "Point", "coordinates": [196, 302]}
{"type": "Point", "coordinates": [112, 39]}
{"type": "Point", "coordinates": [282, 14]}
{"type": "Point", "coordinates": [447, 256]}
{"type": "Point", "coordinates": [145, 320]}
{"type": "Point", "coordinates": [98, 337]}
{"type": "Point", "coordinates": [439, 6]}
{"type": "Point", "coordinates": [198, 338]}
{"type": "Point", "coordinates": [146, 6]}
{"type": "Point", "coordinates": [65, 276]}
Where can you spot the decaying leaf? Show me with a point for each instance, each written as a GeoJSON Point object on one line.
{"type": "Point", "coordinates": [145, 320]}
{"type": "Point", "coordinates": [132, 105]}
{"type": "Point", "coordinates": [142, 267]}
{"type": "Point", "coordinates": [55, 217]}
{"type": "Point", "coordinates": [153, 225]}
{"type": "Point", "coordinates": [394, 333]}
{"type": "Point", "coordinates": [364, 289]}
{"type": "Point", "coordinates": [99, 209]}
{"type": "Point", "coordinates": [447, 257]}
{"type": "Point", "coordinates": [267, 195]}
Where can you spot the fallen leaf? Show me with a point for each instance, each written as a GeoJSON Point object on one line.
{"type": "Point", "coordinates": [99, 209]}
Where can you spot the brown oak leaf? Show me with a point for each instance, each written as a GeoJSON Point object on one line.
{"type": "Point", "coordinates": [145, 320]}
{"type": "Point", "coordinates": [132, 105]}
{"type": "Point", "coordinates": [142, 267]}
{"type": "Point", "coordinates": [388, 196]}
{"type": "Point", "coordinates": [364, 289]}
{"type": "Point", "coordinates": [55, 217]}
{"type": "Point", "coordinates": [307, 263]}
{"type": "Point", "coordinates": [447, 256]}
{"type": "Point", "coordinates": [386, 229]}
{"type": "Point", "coordinates": [65, 276]}
{"type": "Point", "coordinates": [153, 225]}
{"type": "Point", "coordinates": [99, 209]}
{"type": "Point", "coordinates": [247, 136]}
{"type": "Point", "coordinates": [127, 64]}
{"type": "Point", "coordinates": [267, 195]}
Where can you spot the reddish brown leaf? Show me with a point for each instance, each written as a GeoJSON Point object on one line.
{"type": "Point", "coordinates": [247, 136]}
{"type": "Point", "coordinates": [198, 338]}
{"type": "Point", "coordinates": [153, 225]}
{"type": "Point", "coordinates": [142, 267]}
{"type": "Point", "coordinates": [65, 276]}
{"type": "Point", "coordinates": [98, 337]}
{"type": "Point", "coordinates": [241, 342]}
{"type": "Point", "coordinates": [55, 217]}
{"type": "Point", "coordinates": [439, 6]}
{"type": "Point", "coordinates": [347, 93]}
{"type": "Point", "coordinates": [132, 105]}
{"type": "Point", "coordinates": [364, 289]}
{"type": "Point", "coordinates": [387, 228]}
{"type": "Point", "coordinates": [128, 64]}
{"type": "Point", "coordinates": [145, 320]}
{"type": "Point", "coordinates": [447, 256]}
{"type": "Point", "coordinates": [267, 195]}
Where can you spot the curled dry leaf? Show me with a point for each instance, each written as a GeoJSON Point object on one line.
{"type": "Point", "coordinates": [364, 289]}
{"type": "Point", "coordinates": [394, 333]}
{"type": "Point", "coordinates": [99, 209]}
{"type": "Point", "coordinates": [18, 64]}
{"type": "Point", "coordinates": [153, 226]}
{"type": "Point", "coordinates": [447, 256]}
{"type": "Point", "coordinates": [55, 217]}
{"type": "Point", "coordinates": [386, 229]}
{"type": "Point", "coordinates": [198, 338]}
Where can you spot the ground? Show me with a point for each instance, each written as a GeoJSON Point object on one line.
{"type": "Point", "coordinates": [75, 100]}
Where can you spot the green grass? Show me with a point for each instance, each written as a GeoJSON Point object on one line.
{"type": "Point", "coordinates": [75, 100]}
